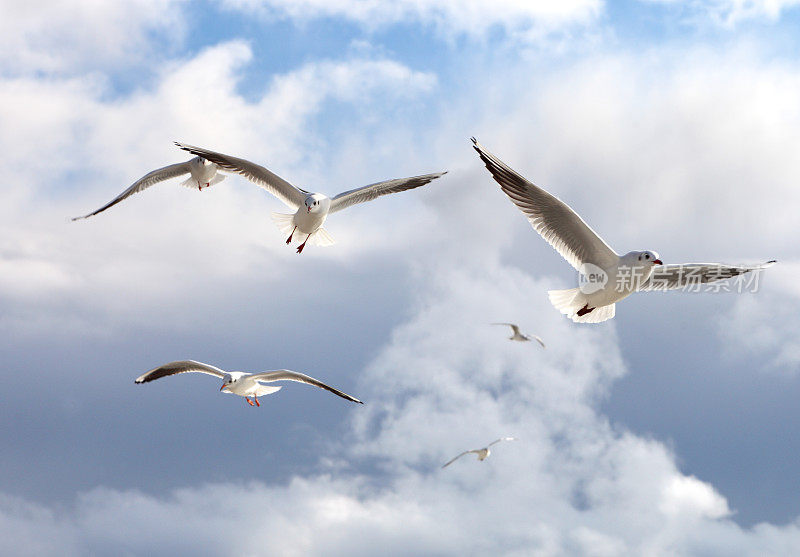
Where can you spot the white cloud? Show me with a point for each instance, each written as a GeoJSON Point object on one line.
{"type": "Point", "coordinates": [51, 36]}
{"type": "Point", "coordinates": [728, 13]}
{"type": "Point", "coordinates": [529, 18]}
{"type": "Point", "coordinates": [765, 326]}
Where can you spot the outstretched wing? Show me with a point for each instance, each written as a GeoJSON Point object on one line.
{"type": "Point", "coordinates": [501, 439]}
{"type": "Point", "coordinates": [370, 192]}
{"type": "Point", "coordinates": [277, 186]}
{"type": "Point", "coordinates": [539, 340]}
{"type": "Point", "coordinates": [181, 366]}
{"type": "Point", "coordinates": [514, 327]}
{"type": "Point", "coordinates": [452, 460]}
{"type": "Point", "coordinates": [553, 219]}
{"type": "Point", "coordinates": [154, 177]}
{"type": "Point", "coordinates": [672, 277]}
{"type": "Point", "coordinates": [289, 375]}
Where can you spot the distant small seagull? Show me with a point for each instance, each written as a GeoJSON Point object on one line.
{"type": "Point", "coordinates": [520, 337]}
{"type": "Point", "coordinates": [311, 209]}
{"type": "Point", "coordinates": [606, 277]}
{"type": "Point", "coordinates": [238, 382]}
{"type": "Point", "coordinates": [202, 173]}
{"type": "Point", "coordinates": [483, 453]}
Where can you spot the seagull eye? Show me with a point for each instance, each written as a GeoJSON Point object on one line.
{"type": "Point", "coordinates": [647, 256]}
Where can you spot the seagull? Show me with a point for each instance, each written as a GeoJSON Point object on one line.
{"type": "Point", "coordinates": [604, 276]}
{"type": "Point", "coordinates": [520, 337]}
{"type": "Point", "coordinates": [311, 209]}
{"type": "Point", "coordinates": [483, 453]}
{"type": "Point", "coordinates": [237, 382]}
{"type": "Point", "coordinates": [202, 172]}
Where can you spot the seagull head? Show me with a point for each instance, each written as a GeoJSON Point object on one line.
{"type": "Point", "coordinates": [315, 203]}
{"type": "Point", "coordinates": [226, 381]}
{"type": "Point", "coordinates": [648, 257]}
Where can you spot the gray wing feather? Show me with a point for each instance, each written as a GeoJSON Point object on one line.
{"type": "Point", "coordinates": [452, 460]}
{"type": "Point", "coordinates": [277, 186]}
{"type": "Point", "coordinates": [145, 182]}
{"type": "Point", "coordinates": [181, 366]}
{"type": "Point", "coordinates": [513, 326]}
{"type": "Point", "coordinates": [289, 375]}
{"type": "Point", "coordinates": [501, 439]}
{"type": "Point", "coordinates": [372, 191]}
{"type": "Point", "coordinates": [553, 219]}
{"type": "Point", "coordinates": [672, 277]}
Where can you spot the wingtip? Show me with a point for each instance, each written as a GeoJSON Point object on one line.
{"type": "Point", "coordinates": [771, 262]}
{"type": "Point", "coordinates": [474, 141]}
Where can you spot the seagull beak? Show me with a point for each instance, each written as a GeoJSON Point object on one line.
{"type": "Point", "coordinates": [308, 209]}
{"type": "Point", "coordinates": [223, 387]}
{"type": "Point", "coordinates": [657, 262]}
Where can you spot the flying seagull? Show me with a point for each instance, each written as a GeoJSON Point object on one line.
{"type": "Point", "coordinates": [483, 453]}
{"type": "Point", "coordinates": [238, 382]}
{"type": "Point", "coordinates": [520, 337]}
{"type": "Point", "coordinates": [202, 173]}
{"type": "Point", "coordinates": [605, 276]}
{"type": "Point", "coordinates": [311, 209]}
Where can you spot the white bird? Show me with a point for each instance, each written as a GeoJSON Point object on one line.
{"type": "Point", "coordinates": [483, 453]}
{"type": "Point", "coordinates": [605, 276]}
{"type": "Point", "coordinates": [201, 171]}
{"type": "Point", "coordinates": [238, 382]}
{"type": "Point", "coordinates": [521, 337]}
{"type": "Point", "coordinates": [311, 209]}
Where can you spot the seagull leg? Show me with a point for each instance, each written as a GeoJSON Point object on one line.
{"type": "Point", "coordinates": [301, 246]}
{"type": "Point", "coordinates": [255, 397]}
{"type": "Point", "coordinates": [584, 310]}
{"type": "Point", "coordinates": [289, 239]}
{"type": "Point", "coordinates": [250, 402]}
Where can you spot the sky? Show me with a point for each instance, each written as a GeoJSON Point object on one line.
{"type": "Point", "coordinates": [670, 430]}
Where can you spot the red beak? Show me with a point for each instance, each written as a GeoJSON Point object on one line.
{"type": "Point", "coordinates": [308, 209]}
{"type": "Point", "coordinates": [657, 262]}
{"type": "Point", "coordinates": [222, 388]}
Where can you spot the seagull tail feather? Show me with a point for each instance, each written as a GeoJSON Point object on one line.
{"type": "Point", "coordinates": [570, 301]}
{"type": "Point", "coordinates": [322, 238]}
{"type": "Point", "coordinates": [284, 222]}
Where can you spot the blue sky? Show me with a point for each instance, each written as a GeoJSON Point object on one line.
{"type": "Point", "coordinates": [670, 126]}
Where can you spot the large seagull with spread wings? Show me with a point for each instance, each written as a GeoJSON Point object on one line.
{"type": "Point", "coordinates": [310, 209]}
{"type": "Point", "coordinates": [605, 276]}
{"type": "Point", "coordinates": [238, 382]}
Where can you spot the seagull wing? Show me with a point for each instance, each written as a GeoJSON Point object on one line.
{"type": "Point", "coordinates": [372, 191]}
{"type": "Point", "coordinates": [514, 327]}
{"type": "Point", "coordinates": [452, 460]}
{"type": "Point", "coordinates": [539, 340]}
{"type": "Point", "coordinates": [672, 277]}
{"type": "Point", "coordinates": [145, 182]}
{"type": "Point", "coordinates": [274, 184]}
{"type": "Point", "coordinates": [288, 375]}
{"type": "Point", "coordinates": [182, 366]}
{"type": "Point", "coordinates": [501, 439]}
{"type": "Point", "coordinates": [553, 219]}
